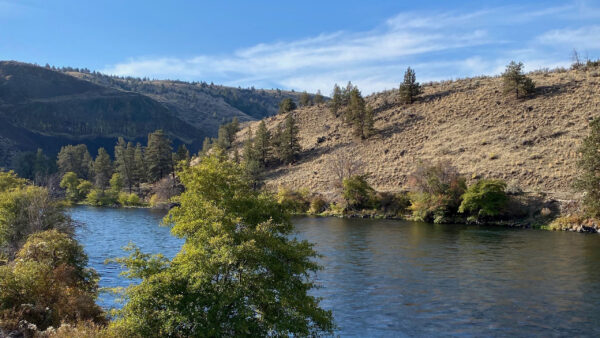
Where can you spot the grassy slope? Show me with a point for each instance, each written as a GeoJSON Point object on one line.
{"type": "Point", "coordinates": [530, 142]}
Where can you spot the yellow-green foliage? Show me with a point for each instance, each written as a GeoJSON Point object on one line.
{"type": "Point", "coordinates": [9, 181]}
{"type": "Point", "coordinates": [427, 207]}
{"type": "Point", "coordinates": [76, 189]}
{"type": "Point", "coordinates": [99, 197]}
{"type": "Point", "coordinates": [24, 211]}
{"type": "Point", "coordinates": [294, 201]}
{"type": "Point", "coordinates": [129, 200]}
{"type": "Point", "coordinates": [317, 205]}
{"type": "Point", "coordinates": [358, 193]}
{"type": "Point", "coordinates": [567, 222]}
{"type": "Point", "coordinates": [484, 198]}
{"type": "Point", "coordinates": [48, 284]}
{"type": "Point", "coordinates": [239, 273]}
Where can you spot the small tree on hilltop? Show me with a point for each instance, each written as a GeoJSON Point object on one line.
{"type": "Point", "coordinates": [318, 99]}
{"type": "Point", "coordinates": [304, 99]}
{"type": "Point", "coordinates": [410, 88]}
{"type": "Point", "coordinates": [336, 100]}
{"type": "Point", "coordinates": [286, 105]}
{"type": "Point", "coordinates": [589, 166]}
{"type": "Point", "coordinates": [514, 81]}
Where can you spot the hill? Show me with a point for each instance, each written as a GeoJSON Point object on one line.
{"type": "Point", "coordinates": [202, 105]}
{"type": "Point", "coordinates": [528, 142]}
{"type": "Point", "coordinates": [44, 107]}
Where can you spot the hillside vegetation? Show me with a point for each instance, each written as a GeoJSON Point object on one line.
{"type": "Point", "coordinates": [529, 142]}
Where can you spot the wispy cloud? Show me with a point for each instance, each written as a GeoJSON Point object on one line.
{"type": "Point", "coordinates": [438, 45]}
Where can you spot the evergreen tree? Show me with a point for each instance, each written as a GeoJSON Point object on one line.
{"type": "Point", "coordinates": [289, 146]}
{"type": "Point", "coordinates": [286, 105]}
{"type": "Point", "coordinates": [359, 115]}
{"type": "Point", "coordinates": [262, 143]}
{"type": "Point", "coordinates": [318, 99]}
{"type": "Point", "coordinates": [336, 100]}
{"type": "Point", "coordinates": [182, 154]}
{"type": "Point", "coordinates": [158, 156]}
{"type": "Point", "coordinates": [251, 163]}
{"type": "Point", "coordinates": [410, 88]}
{"type": "Point", "coordinates": [140, 170]}
{"type": "Point", "coordinates": [514, 81]}
{"type": "Point", "coordinates": [304, 99]}
{"type": "Point", "coordinates": [102, 169]}
{"type": "Point", "coordinates": [227, 133]}
{"type": "Point", "coordinates": [346, 92]}
{"type": "Point", "coordinates": [206, 145]}
{"type": "Point", "coordinates": [125, 162]}
{"type": "Point", "coordinates": [75, 159]}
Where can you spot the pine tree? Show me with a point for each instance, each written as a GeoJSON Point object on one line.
{"type": "Point", "coordinates": [182, 154]}
{"type": "Point", "coordinates": [262, 143]}
{"type": "Point", "coordinates": [124, 162]}
{"type": "Point", "coordinates": [318, 99]}
{"type": "Point", "coordinates": [251, 163]}
{"type": "Point", "coordinates": [304, 99]}
{"type": "Point", "coordinates": [206, 145]}
{"type": "Point", "coordinates": [158, 156]}
{"type": "Point", "coordinates": [289, 146]}
{"type": "Point", "coordinates": [514, 81]}
{"type": "Point", "coordinates": [102, 169]}
{"type": "Point", "coordinates": [336, 100]}
{"type": "Point", "coordinates": [410, 88]}
{"type": "Point", "coordinates": [140, 170]}
{"type": "Point", "coordinates": [359, 115]}
{"type": "Point", "coordinates": [346, 92]}
{"type": "Point", "coordinates": [75, 159]}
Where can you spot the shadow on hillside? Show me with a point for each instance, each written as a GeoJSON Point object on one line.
{"type": "Point", "coordinates": [436, 96]}
{"type": "Point", "coordinates": [554, 90]}
{"type": "Point", "coordinates": [306, 155]}
{"type": "Point", "coordinates": [399, 126]}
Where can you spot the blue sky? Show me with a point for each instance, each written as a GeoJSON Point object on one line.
{"type": "Point", "coordinates": [301, 45]}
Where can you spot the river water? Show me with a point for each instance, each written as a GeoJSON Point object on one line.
{"type": "Point", "coordinates": [397, 278]}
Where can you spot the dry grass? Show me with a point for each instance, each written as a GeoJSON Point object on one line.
{"type": "Point", "coordinates": [531, 142]}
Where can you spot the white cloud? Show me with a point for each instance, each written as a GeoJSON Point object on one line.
{"type": "Point", "coordinates": [469, 43]}
{"type": "Point", "coordinates": [587, 37]}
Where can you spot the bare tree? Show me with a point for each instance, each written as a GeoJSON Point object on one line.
{"type": "Point", "coordinates": [343, 167]}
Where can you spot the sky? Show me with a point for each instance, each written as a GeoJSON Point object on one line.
{"type": "Point", "coordinates": [300, 45]}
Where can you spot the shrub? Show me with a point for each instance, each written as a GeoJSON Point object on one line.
{"type": "Point", "coordinates": [130, 200]}
{"type": "Point", "coordinates": [567, 222]}
{"type": "Point", "coordinates": [437, 191]}
{"type": "Point", "coordinates": [588, 180]}
{"type": "Point", "coordinates": [317, 205]}
{"type": "Point", "coordinates": [99, 197]}
{"type": "Point", "coordinates": [484, 198]}
{"type": "Point", "coordinates": [48, 284]}
{"type": "Point", "coordinates": [358, 193]}
{"type": "Point", "coordinates": [393, 203]}
{"type": "Point", "coordinates": [295, 201]}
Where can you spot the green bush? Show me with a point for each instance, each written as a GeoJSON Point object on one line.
{"type": "Point", "coordinates": [393, 203]}
{"type": "Point", "coordinates": [484, 198]}
{"type": "Point", "coordinates": [427, 207]}
{"type": "Point", "coordinates": [317, 205]}
{"type": "Point", "coordinates": [358, 193]}
{"type": "Point", "coordinates": [100, 198]}
{"type": "Point", "coordinates": [295, 201]}
{"type": "Point", "coordinates": [129, 200]}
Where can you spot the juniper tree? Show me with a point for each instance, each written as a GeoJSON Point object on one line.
{"type": "Point", "coordinates": [410, 88]}
{"type": "Point", "coordinates": [514, 81]}
{"type": "Point", "coordinates": [286, 105]}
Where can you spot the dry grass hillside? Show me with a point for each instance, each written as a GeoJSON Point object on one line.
{"type": "Point", "coordinates": [531, 142]}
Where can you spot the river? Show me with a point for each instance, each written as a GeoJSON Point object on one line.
{"type": "Point", "coordinates": [397, 278]}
